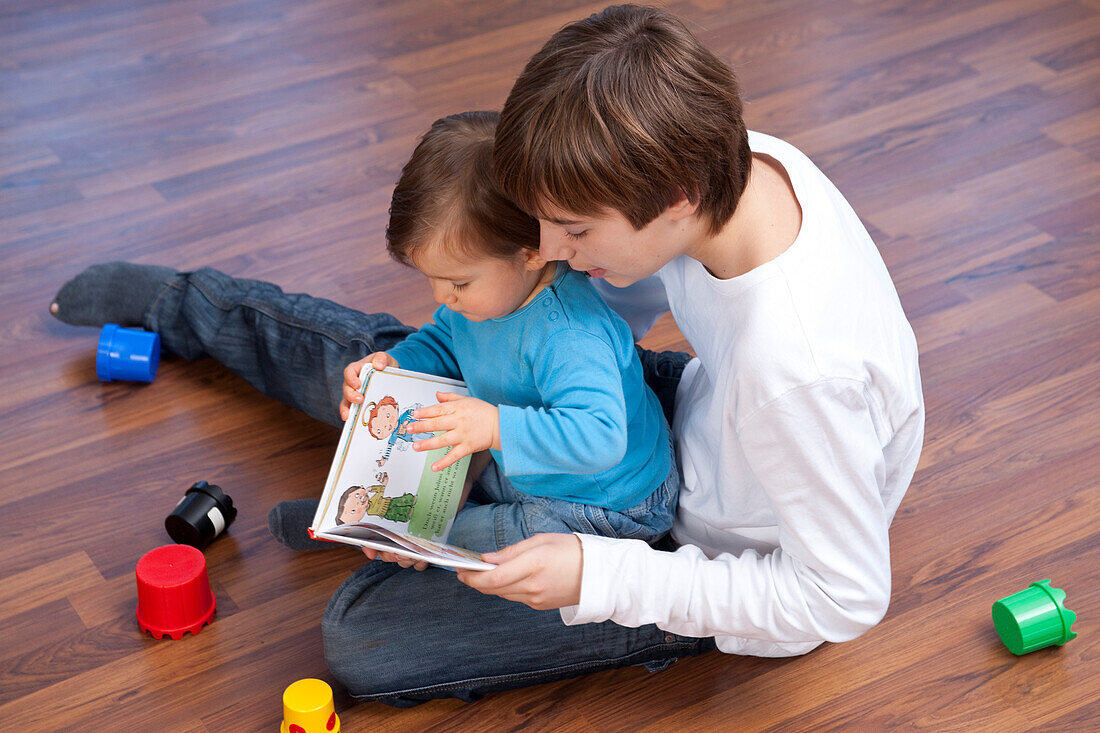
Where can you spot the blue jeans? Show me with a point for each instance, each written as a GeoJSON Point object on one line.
{"type": "Point", "coordinates": [396, 635]}
{"type": "Point", "coordinates": [465, 644]}
{"type": "Point", "coordinates": [497, 515]}
{"type": "Point", "coordinates": [290, 347]}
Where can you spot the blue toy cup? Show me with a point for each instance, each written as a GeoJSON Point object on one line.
{"type": "Point", "coordinates": [127, 354]}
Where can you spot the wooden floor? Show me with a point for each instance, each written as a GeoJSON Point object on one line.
{"type": "Point", "coordinates": [263, 137]}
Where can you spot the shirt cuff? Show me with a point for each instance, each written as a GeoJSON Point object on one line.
{"type": "Point", "coordinates": [598, 584]}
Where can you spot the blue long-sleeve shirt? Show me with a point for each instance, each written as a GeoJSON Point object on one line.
{"type": "Point", "coordinates": [577, 421]}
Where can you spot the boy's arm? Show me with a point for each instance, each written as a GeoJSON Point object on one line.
{"type": "Point", "coordinates": [582, 428]}
{"type": "Point", "coordinates": [817, 454]}
{"type": "Point", "coordinates": [431, 348]}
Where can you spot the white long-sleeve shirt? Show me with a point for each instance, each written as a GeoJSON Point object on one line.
{"type": "Point", "coordinates": [798, 428]}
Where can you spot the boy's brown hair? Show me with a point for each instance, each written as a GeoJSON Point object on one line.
{"type": "Point", "coordinates": [447, 194]}
{"type": "Point", "coordinates": [624, 110]}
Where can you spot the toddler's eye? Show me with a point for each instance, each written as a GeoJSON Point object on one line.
{"type": "Point", "coordinates": [576, 235]}
{"type": "Point", "coordinates": [461, 286]}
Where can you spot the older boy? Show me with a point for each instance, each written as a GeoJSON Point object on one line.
{"type": "Point", "coordinates": [800, 423]}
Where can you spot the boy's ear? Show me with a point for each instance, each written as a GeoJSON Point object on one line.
{"type": "Point", "coordinates": [533, 260]}
{"type": "Point", "coordinates": [682, 207]}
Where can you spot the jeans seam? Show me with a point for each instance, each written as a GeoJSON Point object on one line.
{"type": "Point", "coordinates": [147, 315]}
{"type": "Point", "coordinates": [472, 682]}
{"type": "Point", "coordinates": [596, 518]}
{"type": "Point", "coordinates": [225, 306]}
{"type": "Point", "coordinates": [499, 532]}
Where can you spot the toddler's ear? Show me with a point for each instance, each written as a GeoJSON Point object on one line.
{"type": "Point", "coordinates": [533, 260]}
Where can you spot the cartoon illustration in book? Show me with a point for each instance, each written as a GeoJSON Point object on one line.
{"type": "Point", "coordinates": [358, 501]}
{"type": "Point", "coordinates": [385, 421]}
{"type": "Point", "coordinates": [415, 519]}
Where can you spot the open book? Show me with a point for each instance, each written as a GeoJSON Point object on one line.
{"type": "Point", "coordinates": [381, 493]}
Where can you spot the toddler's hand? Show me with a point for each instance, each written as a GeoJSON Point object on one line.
{"type": "Point", "coordinates": [468, 425]}
{"type": "Point", "coordinates": [379, 360]}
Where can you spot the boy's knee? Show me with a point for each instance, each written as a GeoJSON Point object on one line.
{"type": "Point", "coordinates": [347, 657]}
{"type": "Point", "coordinates": [353, 652]}
{"type": "Point", "coordinates": [372, 639]}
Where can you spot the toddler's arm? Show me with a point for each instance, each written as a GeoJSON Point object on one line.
{"type": "Point", "coordinates": [583, 427]}
{"type": "Point", "coordinates": [431, 349]}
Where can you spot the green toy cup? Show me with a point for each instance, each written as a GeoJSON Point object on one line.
{"type": "Point", "coordinates": [1034, 618]}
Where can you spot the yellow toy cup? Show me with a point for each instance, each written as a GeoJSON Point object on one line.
{"type": "Point", "coordinates": [308, 708]}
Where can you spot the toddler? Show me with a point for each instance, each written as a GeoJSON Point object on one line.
{"type": "Point", "coordinates": [579, 442]}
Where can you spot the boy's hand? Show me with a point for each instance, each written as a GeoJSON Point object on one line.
{"type": "Point", "coordinates": [468, 425]}
{"type": "Point", "coordinates": [379, 360]}
{"type": "Point", "coordinates": [543, 571]}
{"type": "Point", "coordinates": [405, 562]}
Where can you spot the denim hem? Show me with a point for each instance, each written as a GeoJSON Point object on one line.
{"type": "Point", "coordinates": [550, 674]}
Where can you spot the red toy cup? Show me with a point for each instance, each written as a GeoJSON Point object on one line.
{"type": "Point", "coordinates": [174, 593]}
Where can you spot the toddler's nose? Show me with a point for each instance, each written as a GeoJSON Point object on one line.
{"type": "Point", "coordinates": [444, 293]}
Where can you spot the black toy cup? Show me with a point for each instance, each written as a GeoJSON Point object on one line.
{"type": "Point", "coordinates": [201, 515]}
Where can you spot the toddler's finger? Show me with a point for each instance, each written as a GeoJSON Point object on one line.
{"type": "Point", "coordinates": [443, 462]}
{"type": "Point", "coordinates": [439, 441]}
{"type": "Point", "coordinates": [429, 425]}
{"type": "Point", "coordinates": [456, 453]}
{"type": "Point", "coordinates": [352, 396]}
{"type": "Point", "coordinates": [430, 411]}
{"type": "Point", "coordinates": [351, 374]}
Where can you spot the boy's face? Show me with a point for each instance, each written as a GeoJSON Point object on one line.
{"type": "Point", "coordinates": [609, 247]}
{"type": "Point", "coordinates": [479, 288]}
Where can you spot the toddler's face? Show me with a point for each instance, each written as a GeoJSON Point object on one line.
{"type": "Point", "coordinates": [478, 288]}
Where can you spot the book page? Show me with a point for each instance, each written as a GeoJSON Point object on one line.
{"type": "Point", "coordinates": [407, 545]}
{"type": "Point", "coordinates": [377, 480]}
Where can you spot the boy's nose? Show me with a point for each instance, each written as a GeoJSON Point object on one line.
{"type": "Point", "coordinates": [551, 245]}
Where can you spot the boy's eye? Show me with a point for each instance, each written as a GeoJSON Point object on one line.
{"type": "Point", "coordinates": [576, 235]}
{"type": "Point", "coordinates": [460, 286]}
